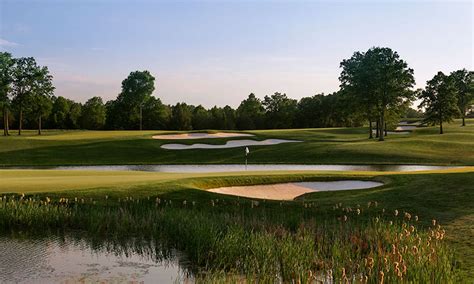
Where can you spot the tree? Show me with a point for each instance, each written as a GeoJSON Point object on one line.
{"type": "Point", "coordinates": [41, 104]}
{"type": "Point", "coordinates": [201, 118]}
{"type": "Point", "coordinates": [229, 117]}
{"type": "Point", "coordinates": [250, 114]}
{"type": "Point", "coordinates": [412, 113]}
{"type": "Point", "coordinates": [136, 91]}
{"type": "Point", "coordinates": [182, 117]}
{"type": "Point", "coordinates": [218, 118]}
{"type": "Point", "coordinates": [6, 78]}
{"type": "Point", "coordinates": [463, 83]}
{"type": "Point", "coordinates": [280, 110]}
{"type": "Point", "coordinates": [309, 112]}
{"type": "Point", "coordinates": [377, 79]}
{"type": "Point", "coordinates": [156, 115]}
{"type": "Point", "coordinates": [74, 115]}
{"type": "Point", "coordinates": [25, 74]}
{"type": "Point", "coordinates": [93, 114]}
{"type": "Point", "coordinates": [41, 108]}
{"type": "Point", "coordinates": [439, 100]}
{"type": "Point", "coordinates": [60, 113]}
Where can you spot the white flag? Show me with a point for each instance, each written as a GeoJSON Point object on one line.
{"type": "Point", "coordinates": [247, 151]}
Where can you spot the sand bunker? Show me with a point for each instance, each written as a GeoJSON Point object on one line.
{"type": "Point", "coordinates": [228, 144]}
{"type": "Point", "coordinates": [405, 127]}
{"type": "Point", "coordinates": [200, 135]}
{"type": "Point", "coordinates": [393, 132]}
{"type": "Point", "coordinates": [289, 191]}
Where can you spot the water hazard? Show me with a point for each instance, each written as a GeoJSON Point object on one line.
{"type": "Point", "coordinates": [71, 260]}
{"type": "Point", "coordinates": [253, 167]}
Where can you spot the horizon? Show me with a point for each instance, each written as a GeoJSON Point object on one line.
{"type": "Point", "coordinates": [217, 53]}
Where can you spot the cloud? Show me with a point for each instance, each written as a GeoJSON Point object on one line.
{"type": "Point", "coordinates": [4, 42]}
{"type": "Point", "coordinates": [98, 49]}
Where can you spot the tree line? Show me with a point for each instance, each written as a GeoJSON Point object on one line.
{"type": "Point", "coordinates": [376, 88]}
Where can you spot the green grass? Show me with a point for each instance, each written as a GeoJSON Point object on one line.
{"type": "Point", "coordinates": [219, 233]}
{"type": "Point", "coordinates": [321, 146]}
{"type": "Point", "coordinates": [446, 196]}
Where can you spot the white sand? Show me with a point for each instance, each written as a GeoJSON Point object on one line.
{"type": "Point", "coordinates": [394, 132]}
{"type": "Point", "coordinates": [199, 135]}
{"type": "Point", "coordinates": [228, 144]}
{"type": "Point", "coordinates": [405, 127]}
{"type": "Point", "coordinates": [289, 191]}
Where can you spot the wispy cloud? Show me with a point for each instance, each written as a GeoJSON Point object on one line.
{"type": "Point", "coordinates": [98, 49]}
{"type": "Point", "coordinates": [6, 43]}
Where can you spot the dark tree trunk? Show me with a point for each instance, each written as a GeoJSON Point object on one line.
{"type": "Point", "coordinates": [377, 129]}
{"type": "Point", "coordinates": [463, 120]}
{"type": "Point", "coordinates": [141, 117]}
{"type": "Point", "coordinates": [39, 125]}
{"type": "Point", "coordinates": [441, 124]}
{"type": "Point", "coordinates": [7, 122]}
{"type": "Point", "coordinates": [4, 124]}
{"type": "Point", "coordinates": [371, 135]}
{"type": "Point", "coordinates": [20, 120]}
{"type": "Point", "coordinates": [385, 128]}
{"type": "Point", "coordinates": [382, 122]}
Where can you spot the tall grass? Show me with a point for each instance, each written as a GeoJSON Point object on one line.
{"type": "Point", "coordinates": [255, 240]}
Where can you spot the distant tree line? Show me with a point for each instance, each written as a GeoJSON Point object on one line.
{"type": "Point", "coordinates": [376, 88]}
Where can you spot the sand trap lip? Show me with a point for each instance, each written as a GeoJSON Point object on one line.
{"type": "Point", "coordinates": [405, 127]}
{"type": "Point", "coordinates": [228, 144]}
{"type": "Point", "coordinates": [183, 136]}
{"type": "Point", "coordinates": [394, 132]}
{"type": "Point", "coordinates": [289, 191]}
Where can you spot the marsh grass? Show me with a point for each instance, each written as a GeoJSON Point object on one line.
{"type": "Point", "coordinates": [247, 240]}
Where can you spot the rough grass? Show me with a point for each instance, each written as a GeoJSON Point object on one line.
{"type": "Point", "coordinates": [445, 195]}
{"type": "Point", "coordinates": [325, 146]}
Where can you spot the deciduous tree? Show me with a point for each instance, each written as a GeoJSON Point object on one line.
{"type": "Point", "coordinates": [40, 101]}
{"type": "Point", "coordinates": [6, 78]}
{"type": "Point", "coordinates": [25, 74]}
{"type": "Point", "coordinates": [439, 100]}
{"type": "Point", "coordinates": [93, 114]}
{"type": "Point", "coordinates": [463, 84]}
{"type": "Point", "coordinates": [378, 79]}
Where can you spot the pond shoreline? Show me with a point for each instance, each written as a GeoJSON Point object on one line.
{"type": "Point", "coordinates": [177, 168]}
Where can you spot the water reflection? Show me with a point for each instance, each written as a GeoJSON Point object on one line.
{"type": "Point", "coordinates": [254, 167]}
{"type": "Point", "coordinates": [70, 259]}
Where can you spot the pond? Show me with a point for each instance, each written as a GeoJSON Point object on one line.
{"type": "Point", "coordinates": [71, 260]}
{"type": "Point", "coordinates": [207, 168]}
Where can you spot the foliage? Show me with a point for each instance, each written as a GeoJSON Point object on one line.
{"type": "Point", "coordinates": [6, 69]}
{"type": "Point", "coordinates": [93, 114]}
{"type": "Point", "coordinates": [463, 81]}
{"type": "Point", "coordinates": [136, 93]}
{"type": "Point", "coordinates": [378, 80]}
{"type": "Point", "coordinates": [181, 117]}
{"type": "Point", "coordinates": [250, 113]}
{"type": "Point", "coordinates": [280, 111]}
{"type": "Point", "coordinates": [439, 100]}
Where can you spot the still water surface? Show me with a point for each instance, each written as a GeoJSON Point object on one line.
{"type": "Point", "coordinates": [253, 167]}
{"type": "Point", "coordinates": [67, 260]}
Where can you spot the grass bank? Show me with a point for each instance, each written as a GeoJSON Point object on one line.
{"type": "Point", "coordinates": [236, 236]}
{"type": "Point", "coordinates": [321, 146]}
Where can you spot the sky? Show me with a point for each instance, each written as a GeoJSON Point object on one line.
{"type": "Point", "coordinates": [217, 52]}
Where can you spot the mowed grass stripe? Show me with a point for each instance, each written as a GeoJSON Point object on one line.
{"type": "Point", "coordinates": [320, 146]}
{"type": "Point", "coordinates": [29, 181]}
